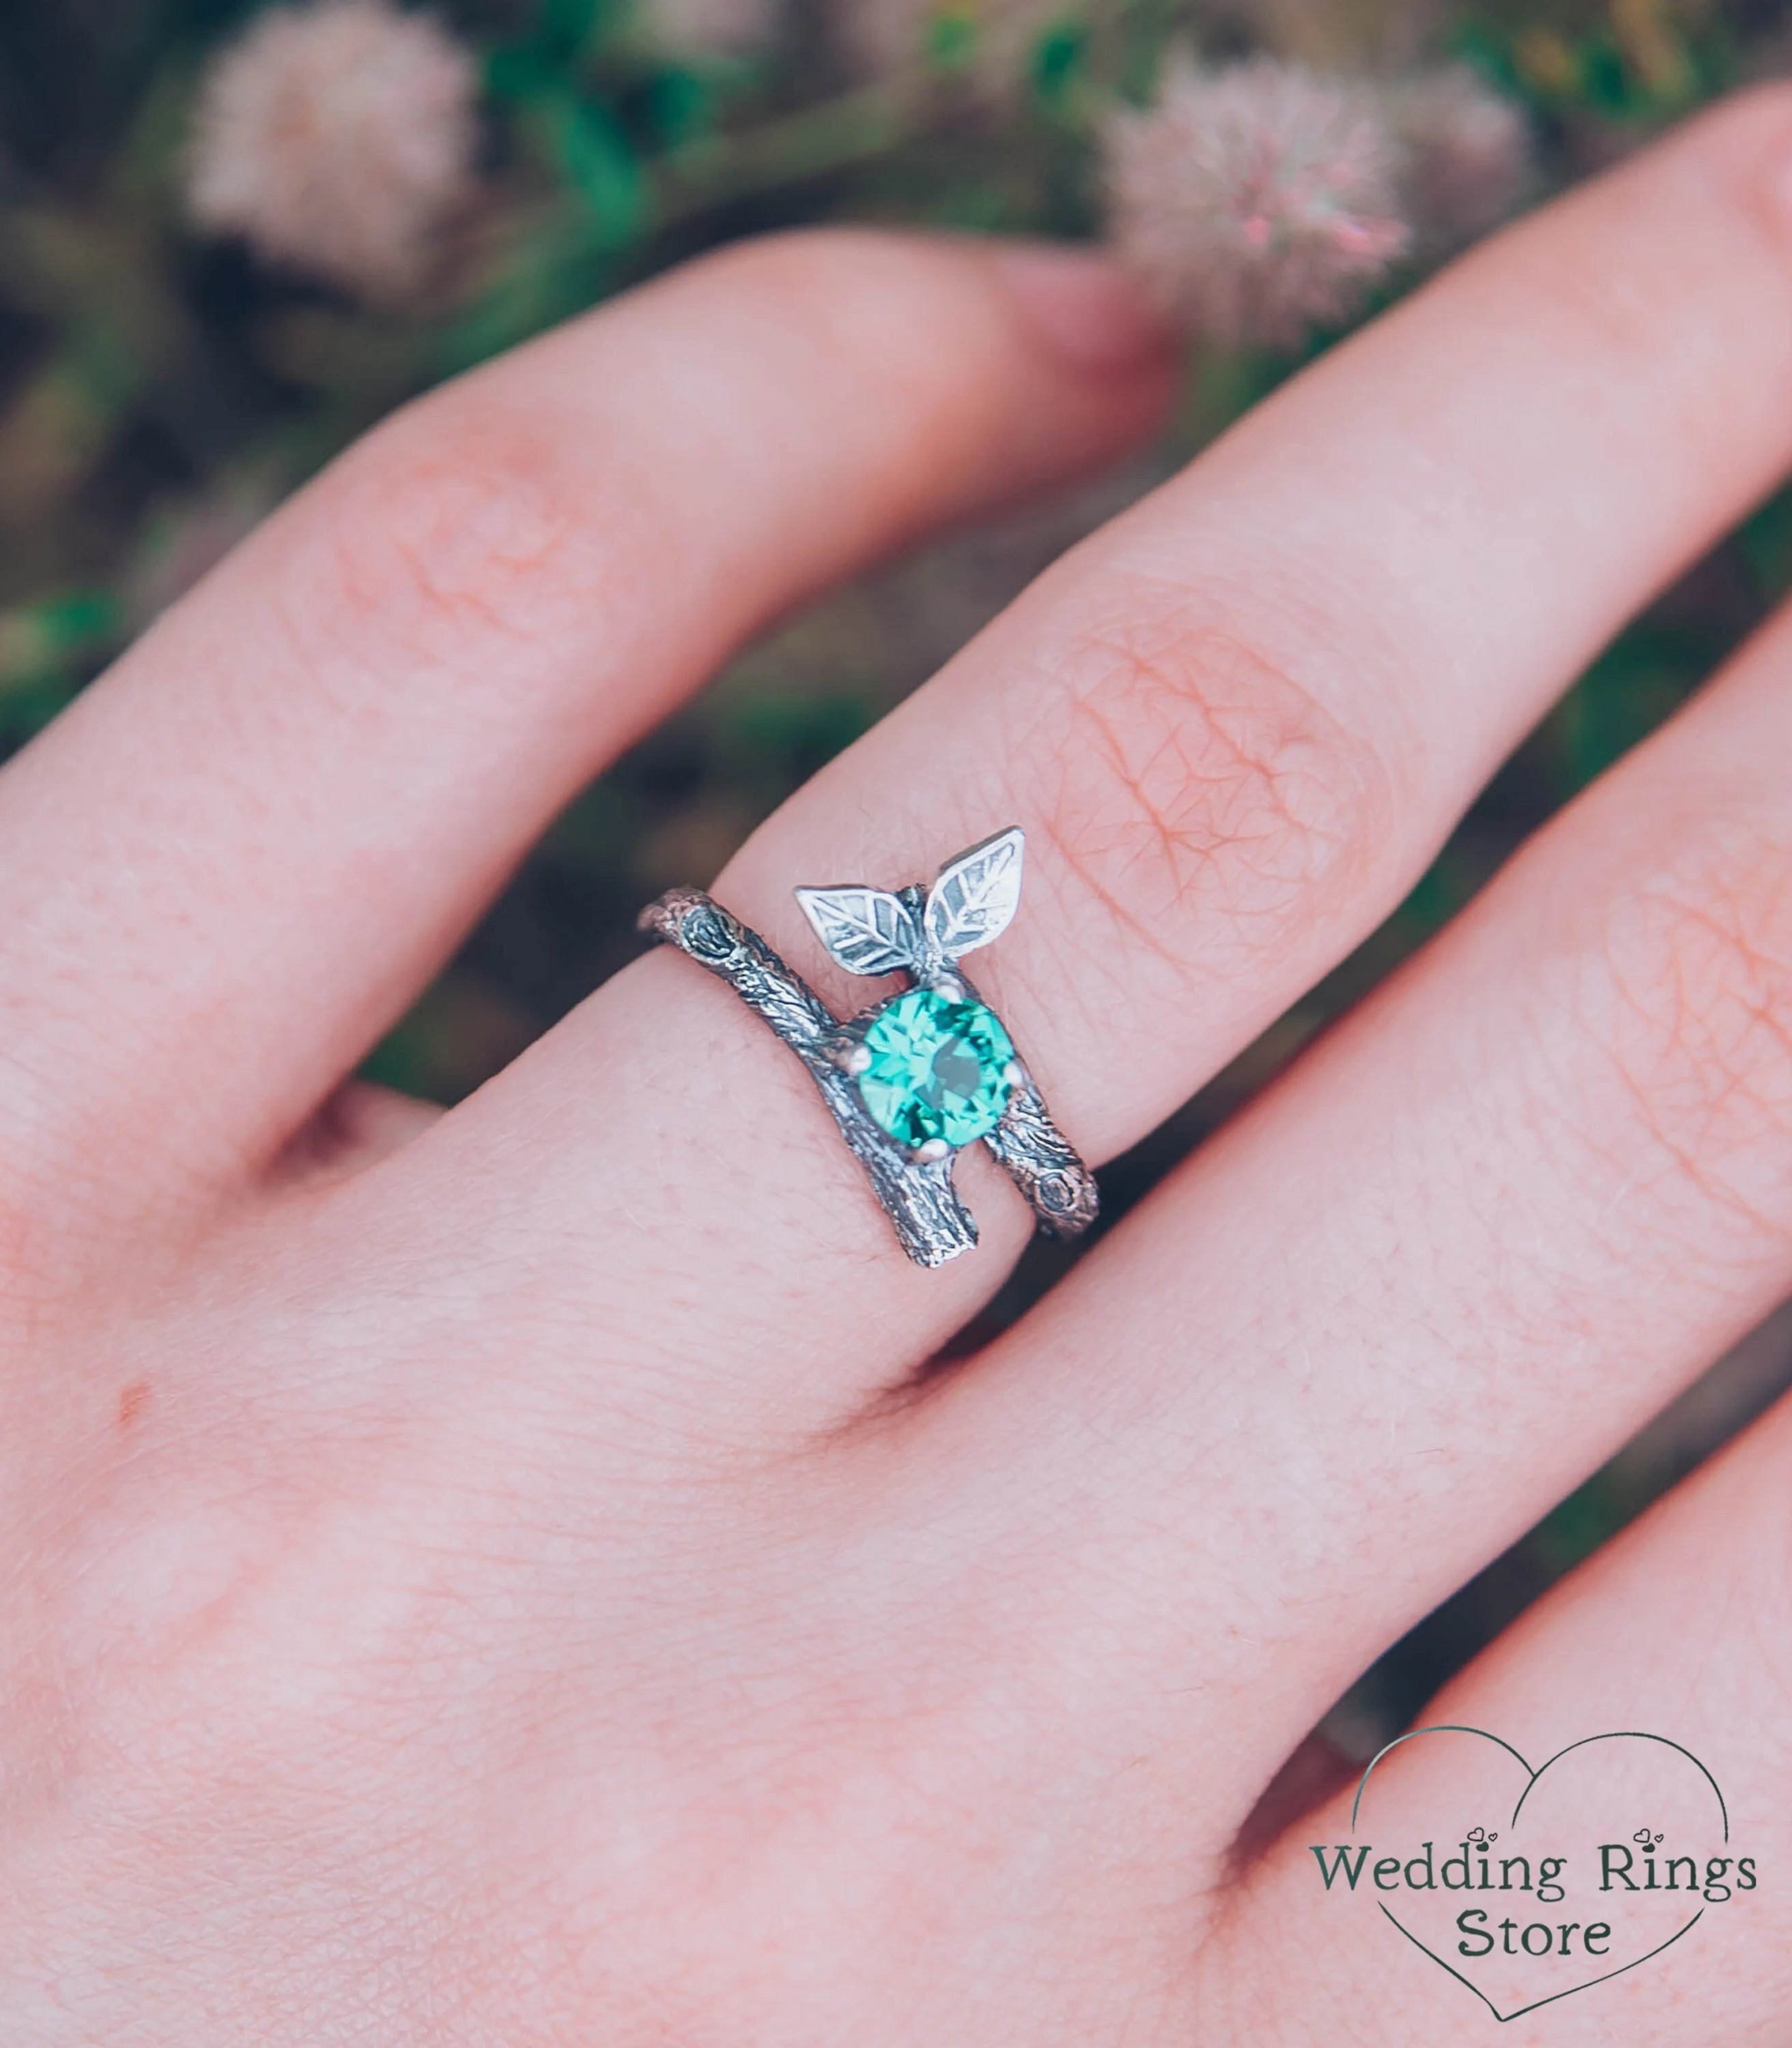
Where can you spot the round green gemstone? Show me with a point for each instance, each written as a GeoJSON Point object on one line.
{"type": "Point", "coordinates": [938, 1068]}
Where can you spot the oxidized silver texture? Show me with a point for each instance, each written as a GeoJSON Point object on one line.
{"type": "Point", "coordinates": [921, 933]}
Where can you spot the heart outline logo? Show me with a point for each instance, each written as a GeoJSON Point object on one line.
{"type": "Point", "coordinates": [1532, 1778]}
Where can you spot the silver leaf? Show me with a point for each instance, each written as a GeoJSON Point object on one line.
{"type": "Point", "coordinates": [868, 931]}
{"type": "Point", "coordinates": [976, 895]}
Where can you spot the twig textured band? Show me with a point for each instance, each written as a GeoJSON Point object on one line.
{"type": "Point", "coordinates": [913, 1079]}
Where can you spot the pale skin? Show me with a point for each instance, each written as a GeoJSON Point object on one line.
{"type": "Point", "coordinates": [476, 1579]}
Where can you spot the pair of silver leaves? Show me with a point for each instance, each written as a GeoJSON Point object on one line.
{"type": "Point", "coordinates": [872, 931]}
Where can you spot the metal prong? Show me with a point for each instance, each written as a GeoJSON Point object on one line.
{"type": "Point", "coordinates": [1015, 1075]}
{"type": "Point", "coordinates": [935, 1148]}
{"type": "Point", "coordinates": [851, 1056]}
{"type": "Point", "coordinates": [949, 986]}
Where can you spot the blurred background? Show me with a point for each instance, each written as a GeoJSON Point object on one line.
{"type": "Point", "coordinates": [232, 237]}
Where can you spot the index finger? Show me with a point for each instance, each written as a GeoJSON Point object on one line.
{"type": "Point", "coordinates": [229, 866]}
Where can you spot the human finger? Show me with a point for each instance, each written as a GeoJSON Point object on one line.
{"type": "Point", "coordinates": [230, 864]}
{"type": "Point", "coordinates": [1234, 725]}
{"type": "Point", "coordinates": [1444, 1269]}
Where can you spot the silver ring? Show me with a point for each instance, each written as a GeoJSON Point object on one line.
{"type": "Point", "coordinates": [913, 1079]}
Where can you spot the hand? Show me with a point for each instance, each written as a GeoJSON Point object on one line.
{"type": "Point", "coordinates": [500, 1580]}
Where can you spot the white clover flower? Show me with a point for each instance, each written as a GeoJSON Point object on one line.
{"type": "Point", "coordinates": [337, 138]}
{"type": "Point", "coordinates": [1256, 200]}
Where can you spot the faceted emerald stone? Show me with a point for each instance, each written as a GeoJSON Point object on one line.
{"type": "Point", "coordinates": [937, 1068]}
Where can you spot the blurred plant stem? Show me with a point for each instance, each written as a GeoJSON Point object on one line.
{"type": "Point", "coordinates": [854, 128]}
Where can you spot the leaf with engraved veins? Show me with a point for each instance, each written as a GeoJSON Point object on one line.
{"type": "Point", "coordinates": [868, 931]}
{"type": "Point", "coordinates": [976, 895]}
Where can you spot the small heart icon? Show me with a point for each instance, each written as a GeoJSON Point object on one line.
{"type": "Point", "coordinates": [1531, 1883]}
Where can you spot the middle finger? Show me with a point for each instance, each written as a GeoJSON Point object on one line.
{"type": "Point", "coordinates": [1235, 725]}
